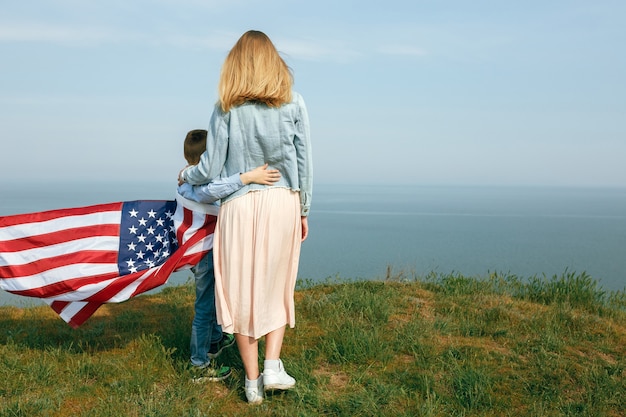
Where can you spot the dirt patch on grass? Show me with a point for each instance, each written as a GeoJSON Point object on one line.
{"type": "Point", "coordinates": [337, 380]}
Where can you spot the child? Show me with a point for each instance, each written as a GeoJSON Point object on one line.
{"type": "Point", "coordinates": [207, 339]}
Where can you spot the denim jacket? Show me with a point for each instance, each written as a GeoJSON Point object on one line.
{"type": "Point", "coordinates": [253, 134]}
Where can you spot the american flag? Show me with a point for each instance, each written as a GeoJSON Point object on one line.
{"type": "Point", "coordinates": [77, 259]}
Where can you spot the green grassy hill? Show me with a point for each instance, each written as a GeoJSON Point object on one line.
{"type": "Point", "coordinates": [435, 346]}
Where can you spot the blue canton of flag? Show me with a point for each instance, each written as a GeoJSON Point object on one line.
{"type": "Point", "coordinates": [147, 235]}
{"type": "Point", "coordinates": [77, 259]}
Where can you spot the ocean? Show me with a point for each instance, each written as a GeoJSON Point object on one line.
{"type": "Point", "coordinates": [358, 232]}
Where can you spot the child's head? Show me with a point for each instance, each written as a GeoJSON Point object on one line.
{"type": "Point", "coordinates": [195, 145]}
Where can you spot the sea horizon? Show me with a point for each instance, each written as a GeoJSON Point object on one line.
{"type": "Point", "coordinates": [359, 231]}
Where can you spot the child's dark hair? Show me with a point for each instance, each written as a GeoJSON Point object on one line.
{"type": "Point", "coordinates": [195, 145]}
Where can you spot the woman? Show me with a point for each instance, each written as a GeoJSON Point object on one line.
{"type": "Point", "coordinates": [258, 120]}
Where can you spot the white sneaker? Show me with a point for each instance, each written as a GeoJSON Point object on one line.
{"type": "Point", "coordinates": [277, 380]}
{"type": "Point", "coordinates": [254, 390]}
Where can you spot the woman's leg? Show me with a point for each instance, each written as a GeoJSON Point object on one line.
{"type": "Point", "coordinates": [249, 351]}
{"type": "Point", "coordinates": [274, 343]}
{"type": "Point", "coordinates": [274, 374]}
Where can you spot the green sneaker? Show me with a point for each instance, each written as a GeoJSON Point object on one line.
{"type": "Point", "coordinates": [216, 349]}
{"type": "Point", "coordinates": [210, 373]}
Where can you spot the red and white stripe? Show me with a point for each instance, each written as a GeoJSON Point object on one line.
{"type": "Point", "coordinates": [68, 257]}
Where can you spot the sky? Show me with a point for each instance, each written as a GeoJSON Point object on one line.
{"type": "Point", "coordinates": [421, 92]}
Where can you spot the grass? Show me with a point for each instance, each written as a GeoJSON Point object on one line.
{"type": "Point", "coordinates": [440, 345]}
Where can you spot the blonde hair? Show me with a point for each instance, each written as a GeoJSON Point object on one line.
{"type": "Point", "coordinates": [254, 71]}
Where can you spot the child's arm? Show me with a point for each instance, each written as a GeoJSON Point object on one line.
{"type": "Point", "coordinates": [223, 187]}
{"type": "Point", "coordinates": [260, 175]}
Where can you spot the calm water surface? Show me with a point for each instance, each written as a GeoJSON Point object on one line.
{"type": "Point", "coordinates": [357, 231]}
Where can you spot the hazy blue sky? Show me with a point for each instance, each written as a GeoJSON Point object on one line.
{"type": "Point", "coordinates": [424, 92]}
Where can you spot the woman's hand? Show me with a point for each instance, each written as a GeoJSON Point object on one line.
{"type": "Point", "coordinates": [305, 227]}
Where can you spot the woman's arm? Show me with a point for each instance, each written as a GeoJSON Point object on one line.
{"type": "Point", "coordinates": [302, 143]}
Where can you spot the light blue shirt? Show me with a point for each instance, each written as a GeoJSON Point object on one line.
{"type": "Point", "coordinates": [253, 134]}
{"type": "Point", "coordinates": [212, 192]}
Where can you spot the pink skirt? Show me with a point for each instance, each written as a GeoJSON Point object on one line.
{"type": "Point", "coordinates": [256, 252]}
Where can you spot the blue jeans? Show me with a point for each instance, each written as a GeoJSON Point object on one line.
{"type": "Point", "coordinates": [204, 329]}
